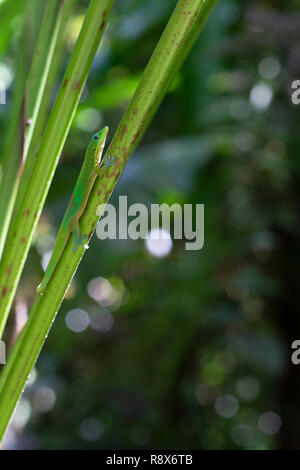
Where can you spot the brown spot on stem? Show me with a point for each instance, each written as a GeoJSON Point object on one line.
{"type": "Point", "coordinates": [135, 111]}
{"type": "Point", "coordinates": [116, 167]}
{"type": "Point", "coordinates": [103, 19]}
{"type": "Point", "coordinates": [23, 240]}
{"type": "Point", "coordinates": [8, 270]}
{"type": "Point", "coordinates": [4, 291]}
{"type": "Point", "coordinates": [123, 132]}
{"type": "Point", "coordinates": [27, 212]}
{"type": "Point", "coordinates": [136, 137]}
{"type": "Point", "coordinates": [91, 232]}
{"type": "Point", "coordinates": [76, 85]}
{"type": "Point", "coordinates": [65, 83]}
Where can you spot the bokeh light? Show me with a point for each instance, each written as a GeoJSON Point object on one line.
{"type": "Point", "coordinates": [269, 423]}
{"type": "Point", "coordinates": [269, 67]}
{"type": "Point", "coordinates": [77, 320]}
{"type": "Point", "coordinates": [261, 96]}
{"type": "Point", "coordinates": [159, 242]}
{"type": "Point", "coordinates": [6, 74]}
{"type": "Point", "coordinates": [102, 320]}
{"type": "Point", "coordinates": [226, 406]}
{"type": "Point", "coordinates": [44, 399]}
{"type": "Point", "coordinates": [248, 388]}
{"type": "Point", "coordinates": [91, 429]}
{"type": "Point", "coordinates": [104, 292]}
{"type": "Point", "coordinates": [21, 415]}
{"type": "Point", "coordinates": [89, 119]}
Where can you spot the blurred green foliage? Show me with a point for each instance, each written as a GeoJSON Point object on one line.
{"type": "Point", "coordinates": [191, 350]}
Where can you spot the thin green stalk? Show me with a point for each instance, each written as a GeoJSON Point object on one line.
{"type": "Point", "coordinates": [23, 225]}
{"type": "Point", "coordinates": [175, 39]}
{"type": "Point", "coordinates": [40, 65]}
{"type": "Point", "coordinates": [34, 89]}
{"type": "Point", "coordinates": [38, 123]}
{"type": "Point", "coordinates": [10, 161]}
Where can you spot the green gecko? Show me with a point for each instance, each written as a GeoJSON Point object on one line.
{"type": "Point", "coordinates": [70, 223]}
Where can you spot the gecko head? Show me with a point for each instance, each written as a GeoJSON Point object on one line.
{"type": "Point", "coordinates": [98, 142]}
{"type": "Point", "coordinates": [100, 135]}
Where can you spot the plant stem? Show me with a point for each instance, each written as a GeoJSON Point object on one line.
{"type": "Point", "coordinates": [39, 113]}
{"type": "Point", "coordinates": [13, 142]}
{"type": "Point", "coordinates": [23, 225]}
{"type": "Point", "coordinates": [176, 41]}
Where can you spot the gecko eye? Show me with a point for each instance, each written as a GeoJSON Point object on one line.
{"type": "Point", "coordinates": [96, 137]}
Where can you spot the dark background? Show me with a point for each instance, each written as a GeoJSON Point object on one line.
{"type": "Point", "coordinates": [191, 350]}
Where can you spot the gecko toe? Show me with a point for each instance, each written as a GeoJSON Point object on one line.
{"type": "Point", "coordinates": [81, 242]}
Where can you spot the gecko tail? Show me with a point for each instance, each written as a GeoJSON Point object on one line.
{"type": "Point", "coordinates": [47, 276]}
{"type": "Point", "coordinates": [55, 257]}
{"type": "Point", "coordinates": [42, 286]}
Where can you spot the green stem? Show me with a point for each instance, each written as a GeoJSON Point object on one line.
{"type": "Point", "coordinates": [40, 113]}
{"type": "Point", "coordinates": [13, 142]}
{"type": "Point", "coordinates": [178, 36]}
{"type": "Point", "coordinates": [23, 225]}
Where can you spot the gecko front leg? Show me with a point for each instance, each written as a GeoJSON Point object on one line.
{"type": "Point", "coordinates": [109, 161]}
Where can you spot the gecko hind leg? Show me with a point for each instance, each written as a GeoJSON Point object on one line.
{"type": "Point", "coordinates": [79, 240]}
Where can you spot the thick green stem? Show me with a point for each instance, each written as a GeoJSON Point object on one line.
{"type": "Point", "coordinates": [23, 225]}
{"type": "Point", "coordinates": [177, 39]}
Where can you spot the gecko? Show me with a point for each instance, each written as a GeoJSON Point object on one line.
{"type": "Point", "coordinates": [70, 224]}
